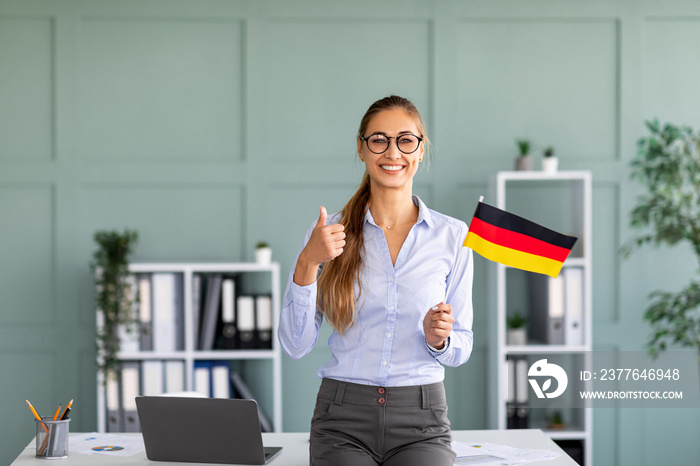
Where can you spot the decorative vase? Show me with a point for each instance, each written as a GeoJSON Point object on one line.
{"type": "Point", "coordinates": [516, 336]}
{"type": "Point", "coordinates": [550, 164]}
{"type": "Point", "coordinates": [524, 163]}
{"type": "Point", "coordinates": [263, 256]}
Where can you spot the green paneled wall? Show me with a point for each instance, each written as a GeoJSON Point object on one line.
{"type": "Point", "coordinates": [209, 125]}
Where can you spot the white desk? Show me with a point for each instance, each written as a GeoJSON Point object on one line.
{"type": "Point", "coordinates": [296, 449]}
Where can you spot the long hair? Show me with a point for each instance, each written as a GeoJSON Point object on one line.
{"type": "Point", "coordinates": [336, 284]}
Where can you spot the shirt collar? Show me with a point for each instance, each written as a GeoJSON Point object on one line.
{"type": "Point", "coordinates": [424, 214]}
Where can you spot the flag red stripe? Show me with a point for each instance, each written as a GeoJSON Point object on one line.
{"type": "Point", "coordinates": [518, 241]}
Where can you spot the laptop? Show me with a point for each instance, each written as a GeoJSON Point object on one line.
{"type": "Point", "coordinates": [202, 430]}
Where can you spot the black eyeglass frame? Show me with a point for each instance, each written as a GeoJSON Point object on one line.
{"type": "Point", "coordinates": [365, 139]}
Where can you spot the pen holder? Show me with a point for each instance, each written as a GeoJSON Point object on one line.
{"type": "Point", "coordinates": [52, 439]}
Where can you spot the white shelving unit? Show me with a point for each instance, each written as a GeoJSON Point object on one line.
{"type": "Point", "coordinates": [190, 354]}
{"type": "Point", "coordinates": [563, 198]}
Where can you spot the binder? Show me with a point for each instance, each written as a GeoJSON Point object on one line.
{"type": "Point", "coordinates": [522, 408]}
{"type": "Point", "coordinates": [221, 379]}
{"type": "Point", "coordinates": [211, 313]}
{"type": "Point", "coordinates": [129, 337]}
{"type": "Point", "coordinates": [202, 378]}
{"type": "Point", "coordinates": [168, 332]}
{"type": "Point", "coordinates": [196, 308]}
{"type": "Point", "coordinates": [229, 334]}
{"type": "Point", "coordinates": [510, 395]}
{"type": "Point", "coordinates": [174, 376]}
{"type": "Point", "coordinates": [114, 412]}
{"type": "Point", "coordinates": [246, 321]}
{"type": "Point", "coordinates": [547, 309]}
{"type": "Point", "coordinates": [244, 392]}
{"type": "Point", "coordinates": [263, 321]}
{"type": "Point", "coordinates": [573, 328]}
{"type": "Point", "coordinates": [145, 312]}
{"type": "Point", "coordinates": [152, 377]}
{"type": "Point", "coordinates": [130, 390]}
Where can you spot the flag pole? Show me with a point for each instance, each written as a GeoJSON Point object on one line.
{"type": "Point", "coordinates": [457, 263]}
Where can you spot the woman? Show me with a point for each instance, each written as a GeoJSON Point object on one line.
{"type": "Point", "coordinates": [379, 272]}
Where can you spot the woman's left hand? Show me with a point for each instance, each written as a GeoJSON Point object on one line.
{"type": "Point", "coordinates": [437, 325]}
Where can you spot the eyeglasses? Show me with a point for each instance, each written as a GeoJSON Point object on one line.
{"type": "Point", "coordinates": [379, 143]}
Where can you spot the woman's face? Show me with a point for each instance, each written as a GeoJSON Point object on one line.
{"type": "Point", "coordinates": [392, 168]}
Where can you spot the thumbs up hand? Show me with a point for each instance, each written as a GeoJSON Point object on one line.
{"type": "Point", "coordinates": [325, 244]}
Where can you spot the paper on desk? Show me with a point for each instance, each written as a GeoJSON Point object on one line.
{"type": "Point", "coordinates": [106, 444]}
{"type": "Point", "coordinates": [494, 454]}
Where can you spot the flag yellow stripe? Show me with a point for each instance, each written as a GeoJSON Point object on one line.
{"type": "Point", "coordinates": [512, 257]}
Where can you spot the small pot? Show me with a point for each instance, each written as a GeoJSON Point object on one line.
{"type": "Point", "coordinates": [516, 336]}
{"type": "Point", "coordinates": [263, 256]}
{"type": "Point", "coordinates": [550, 164]}
{"type": "Point", "coordinates": [524, 163]}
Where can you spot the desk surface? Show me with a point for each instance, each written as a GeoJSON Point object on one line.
{"type": "Point", "coordinates": [296, 449]}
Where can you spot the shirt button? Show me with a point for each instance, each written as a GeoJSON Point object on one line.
{"type": "Point", "coordinates": [381, 401]}
{"type": "Point", "coordinates": [384, 363]}
{"type": "Point", "coordinates": [381, 390]}
{"type": "Point", "coordinates": [391, 279]}
{"type": "Point", "coordinates": [388, 335]}
{"type": "Point", "coordinates": [391, 308]}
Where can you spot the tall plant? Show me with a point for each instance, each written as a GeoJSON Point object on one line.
{"type": "Point", "coordinates": [114, 293]}
{"type": "Point", "coordinates": [668, 164]}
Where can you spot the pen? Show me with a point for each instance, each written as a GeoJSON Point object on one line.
{"type": "Point", "coordinates": [36, 415]}
{"type": "Point", "coordinates": [65, 414]}
{"type": "Point", "coordinates": [67, 410]}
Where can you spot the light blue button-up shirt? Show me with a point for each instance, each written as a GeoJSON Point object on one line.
{"type": "Point", "coordinates": [386, 344]}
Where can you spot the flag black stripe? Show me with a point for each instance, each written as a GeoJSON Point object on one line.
{"type": "Point", "coordinates": [512, 222]}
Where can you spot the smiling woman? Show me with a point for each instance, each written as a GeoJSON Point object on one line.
{"type": "Point", "coordinates": [378, 271]}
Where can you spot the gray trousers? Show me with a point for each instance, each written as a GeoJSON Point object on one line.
{"type": "Point", "coordinates": [364, 425]}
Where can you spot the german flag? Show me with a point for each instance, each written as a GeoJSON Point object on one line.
{"type": "Point", "coordinates": [505, 238]}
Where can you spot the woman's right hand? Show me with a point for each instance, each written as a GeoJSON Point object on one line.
{"type": "Point", "coordinates": [325, 244]}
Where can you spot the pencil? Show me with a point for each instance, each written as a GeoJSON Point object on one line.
{"type": "Point", "coordinates": [36, 415]}
{"type": "Point", "coordinates": [55, 415]}
{"type": "Point", "coordinates": [65, 411]}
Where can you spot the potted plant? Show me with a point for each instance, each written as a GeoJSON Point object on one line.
{"type": "Point", "coordinates": [516, 333]}
{"type": "Point", "coordinates": [555, 421]}
{"type": "Point", "coordinates": [668, 164]}
{"type": "Point", "coordinates": [524, 160]}
{"type": "Point", "coordinates": [263, 253]}
{"type": "Point", "coordinates": [114, 294]}
{"type": "Point", "coordinates": [550, 163]}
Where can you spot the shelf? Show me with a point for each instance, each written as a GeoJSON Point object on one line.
{"type": "Point", "coordinates": [531, 175]}
{"type": "Point", "coordinates": [265, 379]}
{"type": "Point", "coordinates": [543, 349]}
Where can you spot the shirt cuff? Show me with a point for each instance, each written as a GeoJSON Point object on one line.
{"type": "Point", "coordinates": [439, 351]}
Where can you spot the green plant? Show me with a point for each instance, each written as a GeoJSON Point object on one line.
{"type": "Point", "coordinates": [668, 164]}
{"type": "Point", "coordinates": [548, 151]}
{"type": "Point", "coordinates": [114, 293]}
{"type": "Point", "coordinates": [262, 244]}
{"type": "Point", "coordinates": [523, 146]}
{"type": "Point", "coordinates": [516, 320]}
{"type": "Point", "coordinates": [555, 419]}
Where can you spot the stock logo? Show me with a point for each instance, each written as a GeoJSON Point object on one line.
{"type": "Point", "coordinates": [543, 369]}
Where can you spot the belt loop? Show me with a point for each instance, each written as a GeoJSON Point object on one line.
{"type": "Point", "coordinates": [339, 394]}
{"type": "Point", "coordinates": [426, 396]}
